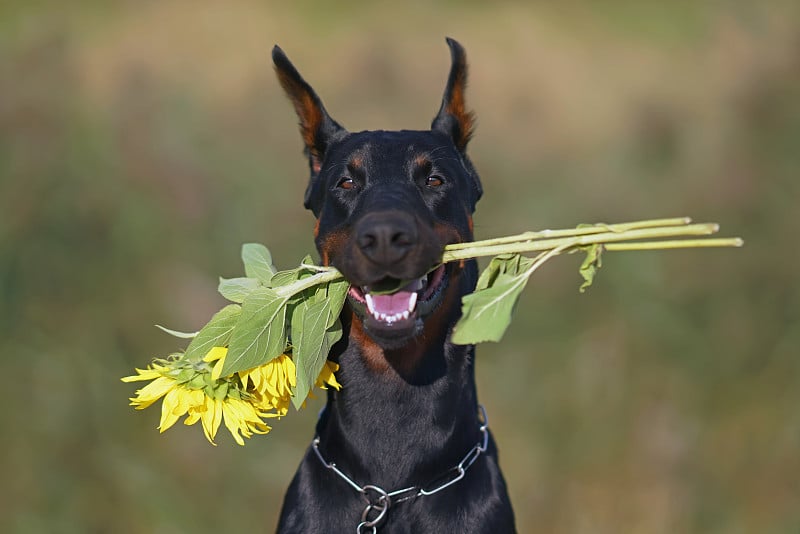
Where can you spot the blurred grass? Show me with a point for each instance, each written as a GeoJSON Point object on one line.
{"type": "Point", "coordinates": [142, 142]}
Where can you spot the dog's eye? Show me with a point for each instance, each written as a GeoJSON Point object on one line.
{"type": "Point", "coordinates": [346, 183]}
{"type": "Point", "coordinates": [434, 181]}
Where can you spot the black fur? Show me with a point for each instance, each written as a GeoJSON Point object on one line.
{"type": "Point", "coordinates": [387, 202]}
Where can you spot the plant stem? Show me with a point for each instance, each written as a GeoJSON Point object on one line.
{"type": "Point", "coordinates": [478, 249]}
{"type": "Point", "coordinates": [571, 232]}
{"type": "Point", "coordinates": [329, 274]}
{"type": "Point", "coordinates": [678, 243]}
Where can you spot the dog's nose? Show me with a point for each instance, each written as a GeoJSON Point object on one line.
{"type": "Point", "coordinates": [386, 238]}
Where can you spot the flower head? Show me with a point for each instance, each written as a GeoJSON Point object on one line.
{"type": "Point", "coordinates": [242, 401]}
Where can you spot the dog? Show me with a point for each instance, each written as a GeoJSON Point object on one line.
{"type": "Point", "coordinates": [403, 446]}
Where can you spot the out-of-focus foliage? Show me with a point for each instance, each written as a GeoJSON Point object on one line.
{"type": "Point", "coordinates": [141, 143]}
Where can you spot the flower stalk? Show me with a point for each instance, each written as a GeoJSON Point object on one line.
{"type": "Point", "coordinates": [606, 235]}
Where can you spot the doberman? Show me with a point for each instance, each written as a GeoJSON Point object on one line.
{"type": "Point", "coordinates": [402, 447]}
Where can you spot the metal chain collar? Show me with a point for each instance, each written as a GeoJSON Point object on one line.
{"type": "Point", "coordinates": [378, 506]}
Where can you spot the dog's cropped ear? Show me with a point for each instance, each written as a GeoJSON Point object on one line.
{"type": "Point", "coordinates": [316, 126]}
{"type": "Point", "coordinates": [453, 118]}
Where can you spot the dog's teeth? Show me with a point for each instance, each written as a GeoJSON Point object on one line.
{"type": "Point", "coordinates": [412, 302]}
{"type": "Point", "coordinates": [390, 318]}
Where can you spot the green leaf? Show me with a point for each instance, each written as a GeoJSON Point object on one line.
{"type": "Point", "coordinates": [388, 287]}
{"type": "Point", "coordinates": [499, 266]}
{"type": "Point", "coordinates": [284, 278]}
{"type": "Point", "coordinates": [310, 345]}
{"type": "Point", "coordinates": [315, 328]}
{"type": "Point", "coordinates": [486, 313]}
{"type": "Point", "coordinates": [182, 335]}
{"type": "Point", "coordinates": [258, 262]}
{"type": "Point", "coordinates": [337, 293]}
{"type": "Point", "coordinates": [260, 334]}
{"type": "Point", "coordinates": [334, 333]}
{"type": "Point", "coordinates": [591, 264]}
{"type": "Point", "coordinates": [215, 333]}
{"type": "Point", "coordinates": [236, 289]}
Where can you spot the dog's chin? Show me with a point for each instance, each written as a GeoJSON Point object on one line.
{"type": "Point", "coordinates": [395, 318]}
{"type": "Point", "coordinates": [390, 337]}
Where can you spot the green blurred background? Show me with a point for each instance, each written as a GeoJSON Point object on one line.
{"type": "Point", "coordinates": [142, 142]}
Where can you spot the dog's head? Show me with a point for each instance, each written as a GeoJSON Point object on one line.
{"type": "Point", "coordinates": [387, 202]}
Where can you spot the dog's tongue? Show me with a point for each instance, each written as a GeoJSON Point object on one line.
{"type": "Point", "coordinates": [393, 306]}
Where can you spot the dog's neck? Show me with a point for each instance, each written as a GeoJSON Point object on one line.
{"type": "Point", "coordinates": [395, 426]}
{"type": "Point", "coordinates": [379, 428]}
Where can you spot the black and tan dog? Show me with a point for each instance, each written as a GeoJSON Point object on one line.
{"type": "Point", "coordinates": [402, 448]}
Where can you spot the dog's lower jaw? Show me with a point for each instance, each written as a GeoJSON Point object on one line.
{"type": "Point", "coordinates": [421, 299]}
{"type": "Point", "coordinates": [417, 358]}
{"type": "Point", "coordinates": [395, 340]}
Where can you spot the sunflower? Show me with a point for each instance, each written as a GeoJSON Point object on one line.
{"type": "Point", "coordinates": [242, 401]}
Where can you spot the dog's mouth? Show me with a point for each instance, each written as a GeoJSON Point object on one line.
{"type": "Point", "coordinates": [396, 308]}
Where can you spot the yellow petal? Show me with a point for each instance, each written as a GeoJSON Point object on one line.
{"type": "Point", "coordinates": [270, 381]}
{"type": "Point", "coordinates": [169, 407]}
{"type": "Point", "coordinates": [215, 354]}
{"type": "Point", "coordinates": [263, 403]}
{"type": "Point", "coordinates": [152, 392]}
{"type": "Point", "coordinates": [243, 376]}
{"type": "Point", "coordinates": [232, 422]}
{"type": "Point", "coordinates": [255, 376]}
{"type": "Point", "coordinates": [326, 376]}
{"type": "Point", "coordinates": [244, 418]}
{"type": "Point", "coordinates": [290, 370]}
{"type": "Point", "coordinates": [217, 370]}
{"type": "Point", "coordinates": [282, 406]}
{"type": "Point", "coordinates": [142, 374]}
{"type": "Point", "coordinates": [192, 418]}
{"type": "Point", "coordinates": [196, 398]}
{"type": "Point", "coordinates": [211, 418]}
